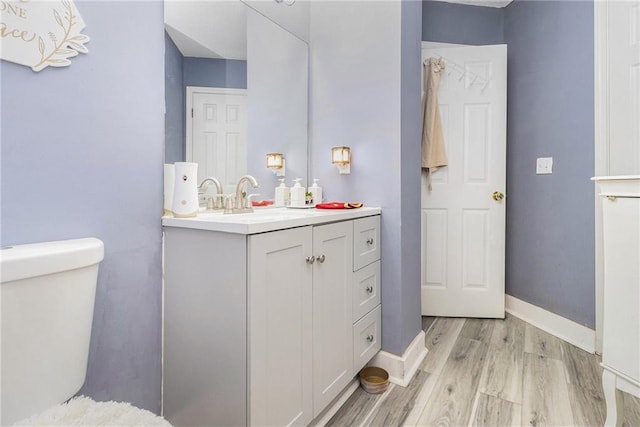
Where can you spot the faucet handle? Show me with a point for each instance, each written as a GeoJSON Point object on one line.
{"type": "Point", "coordinates": [210, 203]}
{"type": "Point", "coordinates": [228, 203]}
{"type": "Point", "coordinates": [219, 200]}
{"type": "Point", "coordinates": [248, 202]}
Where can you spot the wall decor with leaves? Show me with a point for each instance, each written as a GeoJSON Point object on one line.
{"type": "Point", "coordinates": [41, 34]}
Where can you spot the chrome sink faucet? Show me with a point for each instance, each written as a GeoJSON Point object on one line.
{"type": "Point", "coordinates": [242, 203]}
{"type": "Point", "coordinates": [218, 202]}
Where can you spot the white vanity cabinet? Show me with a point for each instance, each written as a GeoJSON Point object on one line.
{"type": "Point", "coordinates": [332, 335]}
{"type": "Point", "coordinates": [260, 328]}
{"type": "Point", "coordinates": [300, 321]}
{"type": "Point", "coordinates": [366, 311]}
{"type": "Point", "coordinates": [621, 321]}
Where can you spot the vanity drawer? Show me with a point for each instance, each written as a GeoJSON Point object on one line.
{"type": "Point", "coordinates": [367, 334]}
{"type": "Point", "coordinates": [366, 241]}
{"type": "Point", "coordinates": [366, 289]}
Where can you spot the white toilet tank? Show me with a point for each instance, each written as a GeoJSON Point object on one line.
{"type": "Point", "coordinates": [47, 294]}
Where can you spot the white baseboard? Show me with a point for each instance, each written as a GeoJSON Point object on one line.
{"type": "Point", "coordinates": [402, 368]}
{"type": "Point", "coordinates": [561, 327]}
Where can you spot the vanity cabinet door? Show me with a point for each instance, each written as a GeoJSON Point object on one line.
{"type": "Point", "coordinates": [332, 307]}
{"type": "Point", "coordinates": [280, 328]}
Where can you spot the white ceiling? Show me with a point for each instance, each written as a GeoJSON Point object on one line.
{"type": "Point", "coordinates": [207, 29]}
{"type": "Point", "coordinates": [486, 3]}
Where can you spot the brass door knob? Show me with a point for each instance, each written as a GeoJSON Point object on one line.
{"type": "Point", "coordinates": [497, 196]}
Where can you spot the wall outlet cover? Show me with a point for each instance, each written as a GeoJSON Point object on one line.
{"type": "Point", "coordinates": [544, 165]}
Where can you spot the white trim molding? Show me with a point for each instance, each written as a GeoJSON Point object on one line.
{"type": "Point", "coordinates": [402, 368]}
{"type": "Point", "coordinates": [561, 327]}
{"type": "Point", "coordinates": [601, 144]}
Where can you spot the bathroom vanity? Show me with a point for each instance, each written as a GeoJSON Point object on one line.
{"type": "Point", "coordinates": [621, 322]}
{"type": "Point", "coordinates": [268, 316]}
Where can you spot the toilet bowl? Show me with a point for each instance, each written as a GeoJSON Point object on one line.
{"type": "Point", "coordinates": [47, 294]}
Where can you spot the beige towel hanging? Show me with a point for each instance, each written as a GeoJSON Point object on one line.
{"type": "Point", "coordinates": [433, 151]}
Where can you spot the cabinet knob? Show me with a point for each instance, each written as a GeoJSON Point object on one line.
{"type": "Point", "coordinates": [369, 289]}
{"type": "Point", "coordinates": [321, 258]}
{"type": "Point", "coordinates": [310, 259]}
{"type": "Point", "coordinates": [370, 241]}
{"type": "Point", "coordinates": [370, 338]}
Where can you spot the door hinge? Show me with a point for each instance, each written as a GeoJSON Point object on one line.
{"type": "Point", "coordinates": [192, 113]}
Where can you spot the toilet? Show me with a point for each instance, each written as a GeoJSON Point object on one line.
{"type": "Point", "coordinates": [47, 294]}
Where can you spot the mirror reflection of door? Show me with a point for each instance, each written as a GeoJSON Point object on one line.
{"type": "Point", "coordinates": [217, 133]}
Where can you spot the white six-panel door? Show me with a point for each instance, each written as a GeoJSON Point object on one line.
{"type": "Point", "coordinates": [217, 133]}
{"type": "Point", "coordinates": [463, 225]}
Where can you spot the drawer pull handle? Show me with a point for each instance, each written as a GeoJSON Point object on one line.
{"type": "Point", "coordinates": [310, 259]}
{"type": "Point", "coordinates": [370, 241]}
{"type": "Point", "coordinates": [321, 258]}
{"type": "Point", "coordinates": [370, 289]}
{"type": "Point", "coordinates": [370, 338]}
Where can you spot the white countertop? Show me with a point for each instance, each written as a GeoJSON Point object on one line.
{"type": "Point", "coordinates": [266, 219]}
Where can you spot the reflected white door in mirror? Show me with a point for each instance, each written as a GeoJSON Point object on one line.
{"type": "Point", "coordinates": [216, 129]}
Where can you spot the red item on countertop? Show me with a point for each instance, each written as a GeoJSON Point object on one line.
{"type": "Point", "coordinates": [338, 205]}
{"type": "Point", "coordinates": [261, 202]}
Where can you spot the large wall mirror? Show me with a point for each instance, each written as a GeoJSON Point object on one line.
{"type": "Point", "coordinates": [236, 88]}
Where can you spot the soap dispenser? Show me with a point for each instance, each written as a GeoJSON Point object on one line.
{"type": "Point", "coordinates": [297, 194]}
{"type": "Point", "coordinates": [316, 192]}
{"type": "Point", "coordinates": [282, 194]}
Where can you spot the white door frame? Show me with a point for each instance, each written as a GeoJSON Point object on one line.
{"type": "Point", "coordinates": [191, 90]}
{"type": "Point", "coordinates": [601, 142]}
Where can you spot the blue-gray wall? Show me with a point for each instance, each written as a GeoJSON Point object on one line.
{"type": "Point", "coordinates": [463, 24]}
{"type": "Point", "coordinates": [357, 99]}
{"type": "Point", "coordinates": [181, 72]}
{"type": "Point", "coordinates": [550, 107]}
{"type": "Point", "coordinates": [174, 122]}
{"type": "Point", "coordinates": [82, 152]}
{"type": "Point", "coordinates": [226, 73]}
{"type": "Point", "coordinates": [410, 169]}
{"type": "Point", "coordinates": [550, 218]}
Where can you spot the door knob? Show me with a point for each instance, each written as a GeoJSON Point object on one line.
{"type": "Point", "coordinates": [370, 241]}
{"type": "Point", "coordinates": [497, 196]}
{"type": "Point", "coordinates": [369, 289]}
{"type": "Point", "coordinates": [321, 258]}
{"type": "Point", "coordinates": [310, 259]}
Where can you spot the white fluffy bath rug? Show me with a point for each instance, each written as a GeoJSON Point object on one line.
{"type": "Point", "coordinates": [82, 411]}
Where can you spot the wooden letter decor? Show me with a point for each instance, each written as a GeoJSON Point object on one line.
{"type": "Point", "coordinates": [40, 33]}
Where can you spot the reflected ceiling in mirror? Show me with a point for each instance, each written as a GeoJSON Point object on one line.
{"type": "Point", "coordinates": [208, 29]}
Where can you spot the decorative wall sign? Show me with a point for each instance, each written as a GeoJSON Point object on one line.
{"type": "Point", "coordinates": [41, 33]}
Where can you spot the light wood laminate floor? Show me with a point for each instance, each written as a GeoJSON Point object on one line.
{"type": "Point", "coordinates": [487, 372]}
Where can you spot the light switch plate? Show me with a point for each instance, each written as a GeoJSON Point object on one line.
{"type": "Point", "coordinates": [544, 165]}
